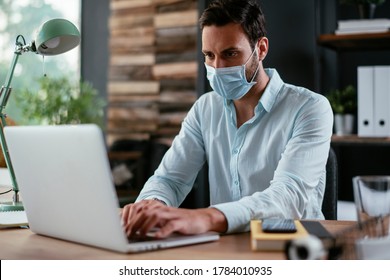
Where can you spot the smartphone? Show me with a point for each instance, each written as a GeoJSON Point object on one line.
{"type": "Point", "coordinates": [278, 225]}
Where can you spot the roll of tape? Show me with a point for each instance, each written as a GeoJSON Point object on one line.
{"type": "Point", "coordinates": [306, 248]}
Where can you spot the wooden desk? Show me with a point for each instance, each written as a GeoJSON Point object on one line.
{"type": "Point", "coordinates": [24, 244]}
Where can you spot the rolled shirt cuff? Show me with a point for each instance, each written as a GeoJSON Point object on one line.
{"type": "Point", "coordinates": [237, 216]}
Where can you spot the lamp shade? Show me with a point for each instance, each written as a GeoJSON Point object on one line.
{"type": "Point", "coordinates": [56, 36]}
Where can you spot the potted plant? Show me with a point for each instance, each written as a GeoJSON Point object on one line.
{"type": "Point", "coordinates": [366, 8]}
{"type": "Point", "coordinates": [59, 101]}
{"type": "Point", "coordinates": [344, 106]}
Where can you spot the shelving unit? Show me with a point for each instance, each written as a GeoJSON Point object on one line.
{"type": "Point", "coordinates": [356, 140]}
{"type": "Point", "coordinates": [369, 42]}
{"type": "Point", "coordinates": [356, 42]}
{"type": "Point", "coordinates": [357, 155]}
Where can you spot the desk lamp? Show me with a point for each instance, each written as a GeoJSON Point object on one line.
{"type": "Point", "coordinates": [54, 37]}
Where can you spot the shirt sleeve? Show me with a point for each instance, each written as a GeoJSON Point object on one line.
{"type": "Point", "coordinates": [176, 174]}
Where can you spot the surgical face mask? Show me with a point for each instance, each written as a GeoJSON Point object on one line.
{"type": "Point", "coordinates": [230, 82]}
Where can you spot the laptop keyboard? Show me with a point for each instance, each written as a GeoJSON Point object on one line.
{"type": "Point", "coordinates": [133, 239]}
{"type": "Point", "coordinates": [151, 237]}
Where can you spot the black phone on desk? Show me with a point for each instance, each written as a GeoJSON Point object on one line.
{"type": "Point", "coordinates": [278, 225]}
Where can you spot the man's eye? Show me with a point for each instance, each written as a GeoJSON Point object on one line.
{"type": "Point", "coordinates": [208, 55]}
{"type": "Point", "coordinates": [231, 54]}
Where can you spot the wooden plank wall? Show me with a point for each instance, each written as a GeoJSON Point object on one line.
{"type": "Point", "coordinates": [152, 68]}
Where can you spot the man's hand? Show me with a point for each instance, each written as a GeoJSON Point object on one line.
{"type": "Point", "coordinates": [139, 218]}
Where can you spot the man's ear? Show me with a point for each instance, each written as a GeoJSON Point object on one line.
{"type": "Point", "coordinates": [262, 44]}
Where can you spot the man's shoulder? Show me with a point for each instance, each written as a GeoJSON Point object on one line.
{"type": "Point", "coordinates": [286, 92]}
{"type": "Point", "coordinates": [208, 105]}
{"type": "Point", "coordinates": [302, 100]}
{"type": "Point", "coordinates": [210, 98]}
{"type": "Point", "coordinates": [303, 93]}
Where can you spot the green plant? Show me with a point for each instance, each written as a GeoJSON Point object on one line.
{"type": "Point", "coordinates": [376, 2]}
{"type": "Point", "coordinates": [343, 101]}
{"type": "Point", "coordinates": [58, 101]}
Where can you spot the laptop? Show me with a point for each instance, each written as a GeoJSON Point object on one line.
{"type": "Point", "coordinates": [67, 189]}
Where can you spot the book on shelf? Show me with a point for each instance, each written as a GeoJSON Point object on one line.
{"type": "Point", "coordinates": [357, 26]}
{"type": "Point", "coordinates": [361, 23]}
{"type": "Point", "coordinates": [263, 241]}
{"type": "Point", "coordinates": [13, 219]}
{"type": "Point", "coordinates": [361, 31]}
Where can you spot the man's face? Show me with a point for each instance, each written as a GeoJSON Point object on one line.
{"type": "Point", "coordinates": [226, 46]}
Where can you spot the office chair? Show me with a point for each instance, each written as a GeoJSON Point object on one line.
{"type": "Point", "coordinates": [329, 203]}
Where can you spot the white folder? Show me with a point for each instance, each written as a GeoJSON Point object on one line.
{"type": "Point", "coordinates": [366, 101]}
{"type": "Point", "coordinates": [381, 101]}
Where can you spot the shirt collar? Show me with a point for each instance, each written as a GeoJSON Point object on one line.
{"type": "Point", "coordinates": [271, 91]}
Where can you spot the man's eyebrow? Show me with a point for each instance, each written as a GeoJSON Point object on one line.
{"type": "Point", "coordinates": [231, 49]}
{"type": "Point", "coordinates": [224, 50]}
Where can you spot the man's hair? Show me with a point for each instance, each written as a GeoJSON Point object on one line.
{"type": "Point", "coordinates": [247, 13]}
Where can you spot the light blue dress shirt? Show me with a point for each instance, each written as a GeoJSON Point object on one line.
{"type": "Point", "coordinates": [271, 166]}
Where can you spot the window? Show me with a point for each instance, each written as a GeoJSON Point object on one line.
{"type": "Point", "coordinates": [23, 17]}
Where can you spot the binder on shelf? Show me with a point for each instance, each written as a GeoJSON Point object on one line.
{"type": "Point", "coordinates": [373, 101]}
{"type": "Point", "coordinates": [366, 101]}
{"type": "Point", "coordinates": [381, 101]}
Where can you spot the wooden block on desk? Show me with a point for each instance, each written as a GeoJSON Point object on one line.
{"type": "Point", "coordinates": [262, 241]}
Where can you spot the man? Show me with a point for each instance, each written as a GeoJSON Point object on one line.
{"type": "Point", "coordinates": [266, 142]}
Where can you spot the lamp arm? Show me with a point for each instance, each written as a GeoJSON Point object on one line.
{"type": "Point", "coordinates": [4, 96]}
{"type": "Point", "coordinates": [6, 88]}
{"type": "Point", "coordinates": [7, 158]}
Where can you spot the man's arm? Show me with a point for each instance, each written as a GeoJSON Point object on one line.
{"type": "Point", "coordinates": [177, 172]}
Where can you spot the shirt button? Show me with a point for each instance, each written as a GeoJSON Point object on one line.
{"type": "Point", "coordinates": [236, 182]}
{"type": "Point", "coordinates": [235, 151]}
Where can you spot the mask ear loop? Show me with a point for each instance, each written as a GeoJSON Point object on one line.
{"type": "Point", "coordinates": [258, 66]}
{"type": "Point", "coordinates": [246, 62]}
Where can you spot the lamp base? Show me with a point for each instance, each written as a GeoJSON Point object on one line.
{"type": "Point", "coordinates": [11, 206]}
